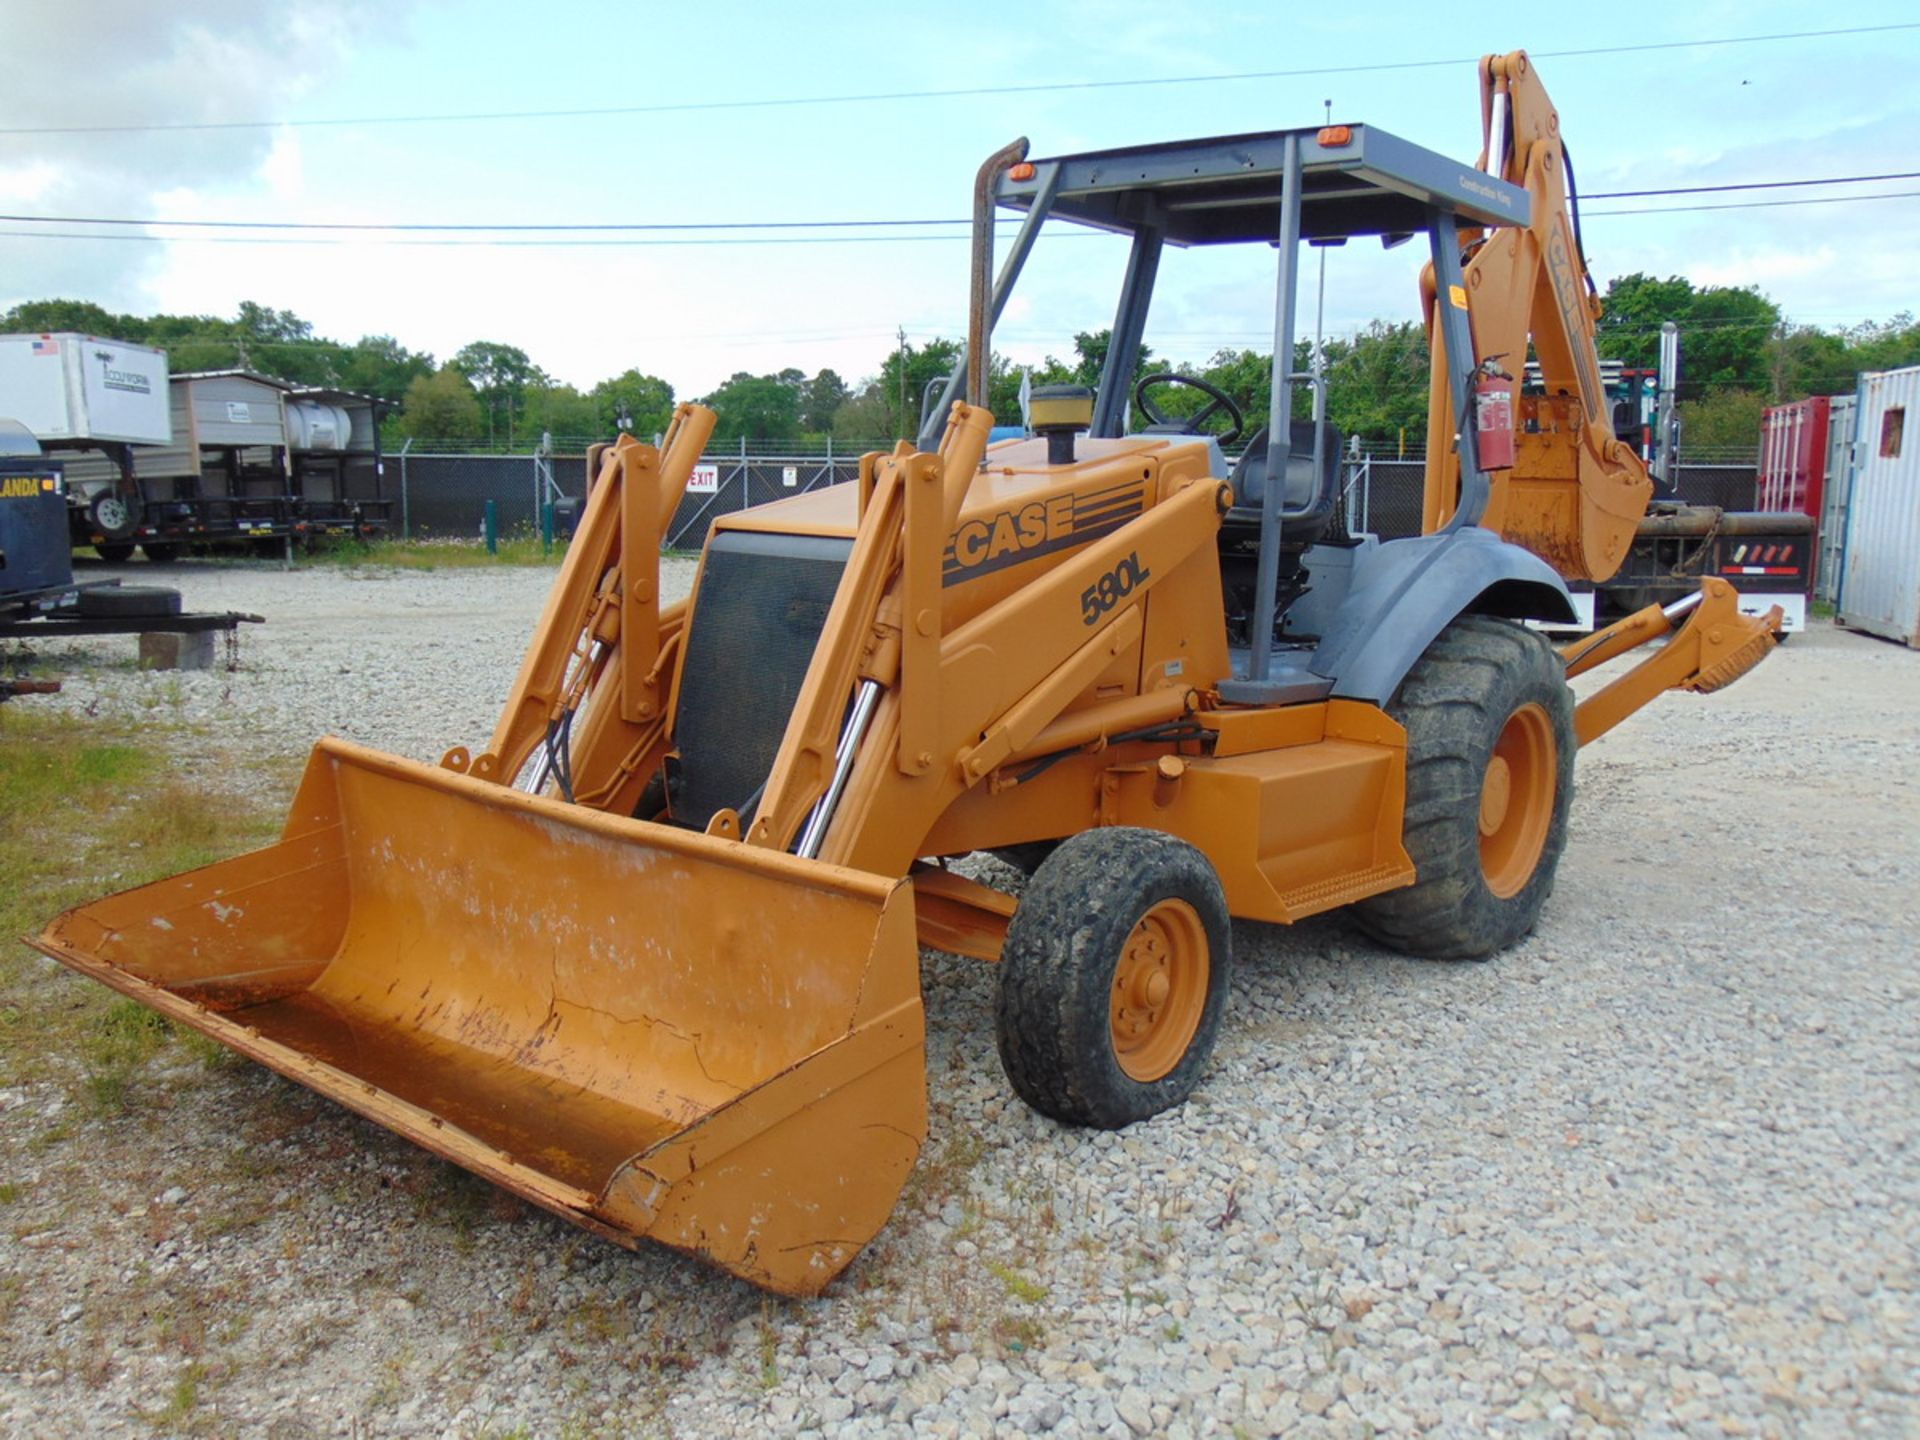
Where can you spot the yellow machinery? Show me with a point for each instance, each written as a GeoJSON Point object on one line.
{"type": "Point", "coordinates": [651, 959]}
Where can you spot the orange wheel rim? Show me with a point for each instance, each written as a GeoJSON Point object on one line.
{"type": "Point", "coordinates": [1516, 800]}
{"type": "Point", "coordinates": [1159, 990]}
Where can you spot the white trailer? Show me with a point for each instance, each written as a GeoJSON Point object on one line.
{"type": "Point", "coordinates": [72, 389]}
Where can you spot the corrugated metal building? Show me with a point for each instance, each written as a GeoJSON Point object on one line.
{"type": "Point", "coordinates": [1880, 576]}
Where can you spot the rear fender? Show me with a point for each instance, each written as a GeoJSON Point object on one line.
{"type": "Point", "coordinates": [1405, 592]}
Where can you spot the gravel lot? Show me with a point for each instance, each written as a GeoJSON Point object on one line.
{"type": "Point", "coordinates": [1654, 1172]}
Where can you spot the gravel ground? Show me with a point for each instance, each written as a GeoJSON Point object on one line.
{"type": "Point", "coordinates": [1652, 1173]}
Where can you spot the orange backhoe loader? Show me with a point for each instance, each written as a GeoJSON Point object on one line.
{"type": "Point", "coordinates": [651, 959]}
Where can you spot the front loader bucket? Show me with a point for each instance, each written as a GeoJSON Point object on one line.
{"type": "Point", "coordinates": [651, 1032]}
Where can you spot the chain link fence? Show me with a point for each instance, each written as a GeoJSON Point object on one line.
{"type": "Point", "coordinates": [444, 496]}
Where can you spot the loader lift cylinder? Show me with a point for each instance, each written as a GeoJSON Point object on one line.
{"type": "Point", "coordinates": [843, 757]}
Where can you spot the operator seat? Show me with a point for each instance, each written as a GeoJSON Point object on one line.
{"type": "Point", "coordinates": [1316, 495]}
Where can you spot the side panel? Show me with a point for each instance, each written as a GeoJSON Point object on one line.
{"type": "Point", "coordinates": [33, 378]}
{"type": "Point", "coordinates": [125, 392]}
{"type": "Point", "coordinates": [1292, 831]}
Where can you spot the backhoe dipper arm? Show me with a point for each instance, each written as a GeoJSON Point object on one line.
{"type": "Point", "coordinates": [1575, 492]}
{"type": "Point", "coordinates": [1714, 647]}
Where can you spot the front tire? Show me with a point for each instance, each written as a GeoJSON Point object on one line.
{"type": "Point", "coordinates": [1490, 746]}
{"type": "Point", "coordinates": [1114, 978]}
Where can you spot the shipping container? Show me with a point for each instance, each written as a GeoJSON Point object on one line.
{"type": "Point", "coordinates": [1833, 501]}
{"type": "Point", "coordinates": [73, 389]}
{"type": "Point", "coordinates": [1880, 575]}
{"type": "Point", "coordinates": [1793, 456]}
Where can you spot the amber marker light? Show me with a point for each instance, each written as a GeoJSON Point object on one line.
{"type": "Point", "coordinates": [1023, 171]}
{"type": "Point", "coordinates": [1333, 135]}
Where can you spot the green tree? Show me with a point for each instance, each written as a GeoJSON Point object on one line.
{"type": "Point", "coordinates": [441, 406]}
{"type": "Point", "coordinates": [757, 407]}
{"type": "Point", "coordinates": [1725, 331]}
{"type": "Point", "coordinates": [381, 365]}
{"type": "Point", "coordinates": [1893, 345]}
{"type": "Point", "coordinates": [1722, 420]}
{"type": "Point", "coordinates": [646, 400]}
{"type": "Point", "coordinates": [820, 400]}
{"type": "Point", "coordinates": [1377, 382]}
{"type": "Point", "coordinates": [931, 362]}
{"type": "Point", "coordinates": [1633, 310]}
{"type": "Point", "coordinates": [33, 317]}
{"type": "Point", "coordinates": [571, 418]}
{"type": "Point", "coordinates": [501, 375]}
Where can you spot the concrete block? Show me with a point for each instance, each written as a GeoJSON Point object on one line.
{"type": "Point", "coordinates": [166, 650]}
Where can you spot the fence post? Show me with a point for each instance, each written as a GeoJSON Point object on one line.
{"type": "Point", "coordinates": [546, 527]}
{"type": "Point", "coordinates": [490, 526]}
{"type": "Point", "coordinates": [406, 519]}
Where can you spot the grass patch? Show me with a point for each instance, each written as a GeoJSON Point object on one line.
{"type": "Point", "coordinates": [520, 547]}
{"type": "Point", "coordinates": [92, 806]}
{"type": "Point", "coordinates": [1019, 1286]}
{"type": "Point", "coordinates": [186, 1395]}
{"type": "Point", "coordinates": [118, 1044]}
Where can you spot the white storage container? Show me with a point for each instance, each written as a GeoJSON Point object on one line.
{"type": "Point", "coordinates": [71, 389]}
{"type": "Point", "coordinates": [1880, 567]}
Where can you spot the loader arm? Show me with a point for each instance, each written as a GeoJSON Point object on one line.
{"type": "Point", "coordinates": [603, 621]}
{"type": "Point", "coordinates": [1575, 492]}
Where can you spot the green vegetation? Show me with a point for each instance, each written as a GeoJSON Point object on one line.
{"type": "Point", "coordinates": [92, 806]}
{"type": "Point", "coordinates": [518, 548]}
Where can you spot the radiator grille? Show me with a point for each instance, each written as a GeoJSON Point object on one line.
{"type": "Point", "coordinates": [763, 601]}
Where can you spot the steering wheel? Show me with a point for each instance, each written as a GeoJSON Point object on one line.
{"type": "Point", "coordinates": [1218, 399]}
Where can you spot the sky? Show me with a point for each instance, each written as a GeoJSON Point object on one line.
{"type": "Point", "coordinates": [695, 311]}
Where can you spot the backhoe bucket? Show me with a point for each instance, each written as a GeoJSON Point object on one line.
{"type": "Point", "coordinates": [654, 1033]}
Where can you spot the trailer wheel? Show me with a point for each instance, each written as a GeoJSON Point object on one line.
{"type": "Point", "coordinates": [162, 553]}
{"type": "Point", "coordinates": [110, 517]}
{"type": "Point", "coordinates": [1490, 747]}
{"type": "Point", "coordinates": [1114, 978]}
{"type": "Point", "coordinates": [114, 554]}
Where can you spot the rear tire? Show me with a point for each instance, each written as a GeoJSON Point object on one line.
{"type": "Point", "coordinates": [111, 517]}
{"type": "Point", "coordinates": [114, 554]}
{"type": "Point", "coordinates": [1114, 978]}
{"type": "Point", "coordinates": [1490, 746]}
{"type": "Point", "coordinates": [159, 553]}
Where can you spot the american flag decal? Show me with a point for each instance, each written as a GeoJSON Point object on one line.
{"type": "Point", "coordinates": [46, 347]}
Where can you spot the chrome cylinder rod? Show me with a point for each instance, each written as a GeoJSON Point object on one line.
{"type": "Point", "coordinates": [821, 815]}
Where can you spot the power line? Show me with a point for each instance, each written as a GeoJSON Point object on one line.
{"type": "Point", "coordinates": [1751, 204]}
{"type": "Point", "coordinates": [652, 226]}
{"type": "Point", "coordinates": [888, 96]}
{"type": "Point", "coordinates": [1711, 189]}
{"type": "Point", "coordinates": [517, 244]}
{"type": "Point", "coordinates": [362, 225]}
{"type": "Point", "coordinates": [763, 240]}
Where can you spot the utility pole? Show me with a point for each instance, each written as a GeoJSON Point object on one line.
{"type": "Point", "coordinates": [902, 426]}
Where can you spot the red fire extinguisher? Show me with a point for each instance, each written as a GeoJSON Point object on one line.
{"type": "Point", "coordinates": [1493, 415]}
